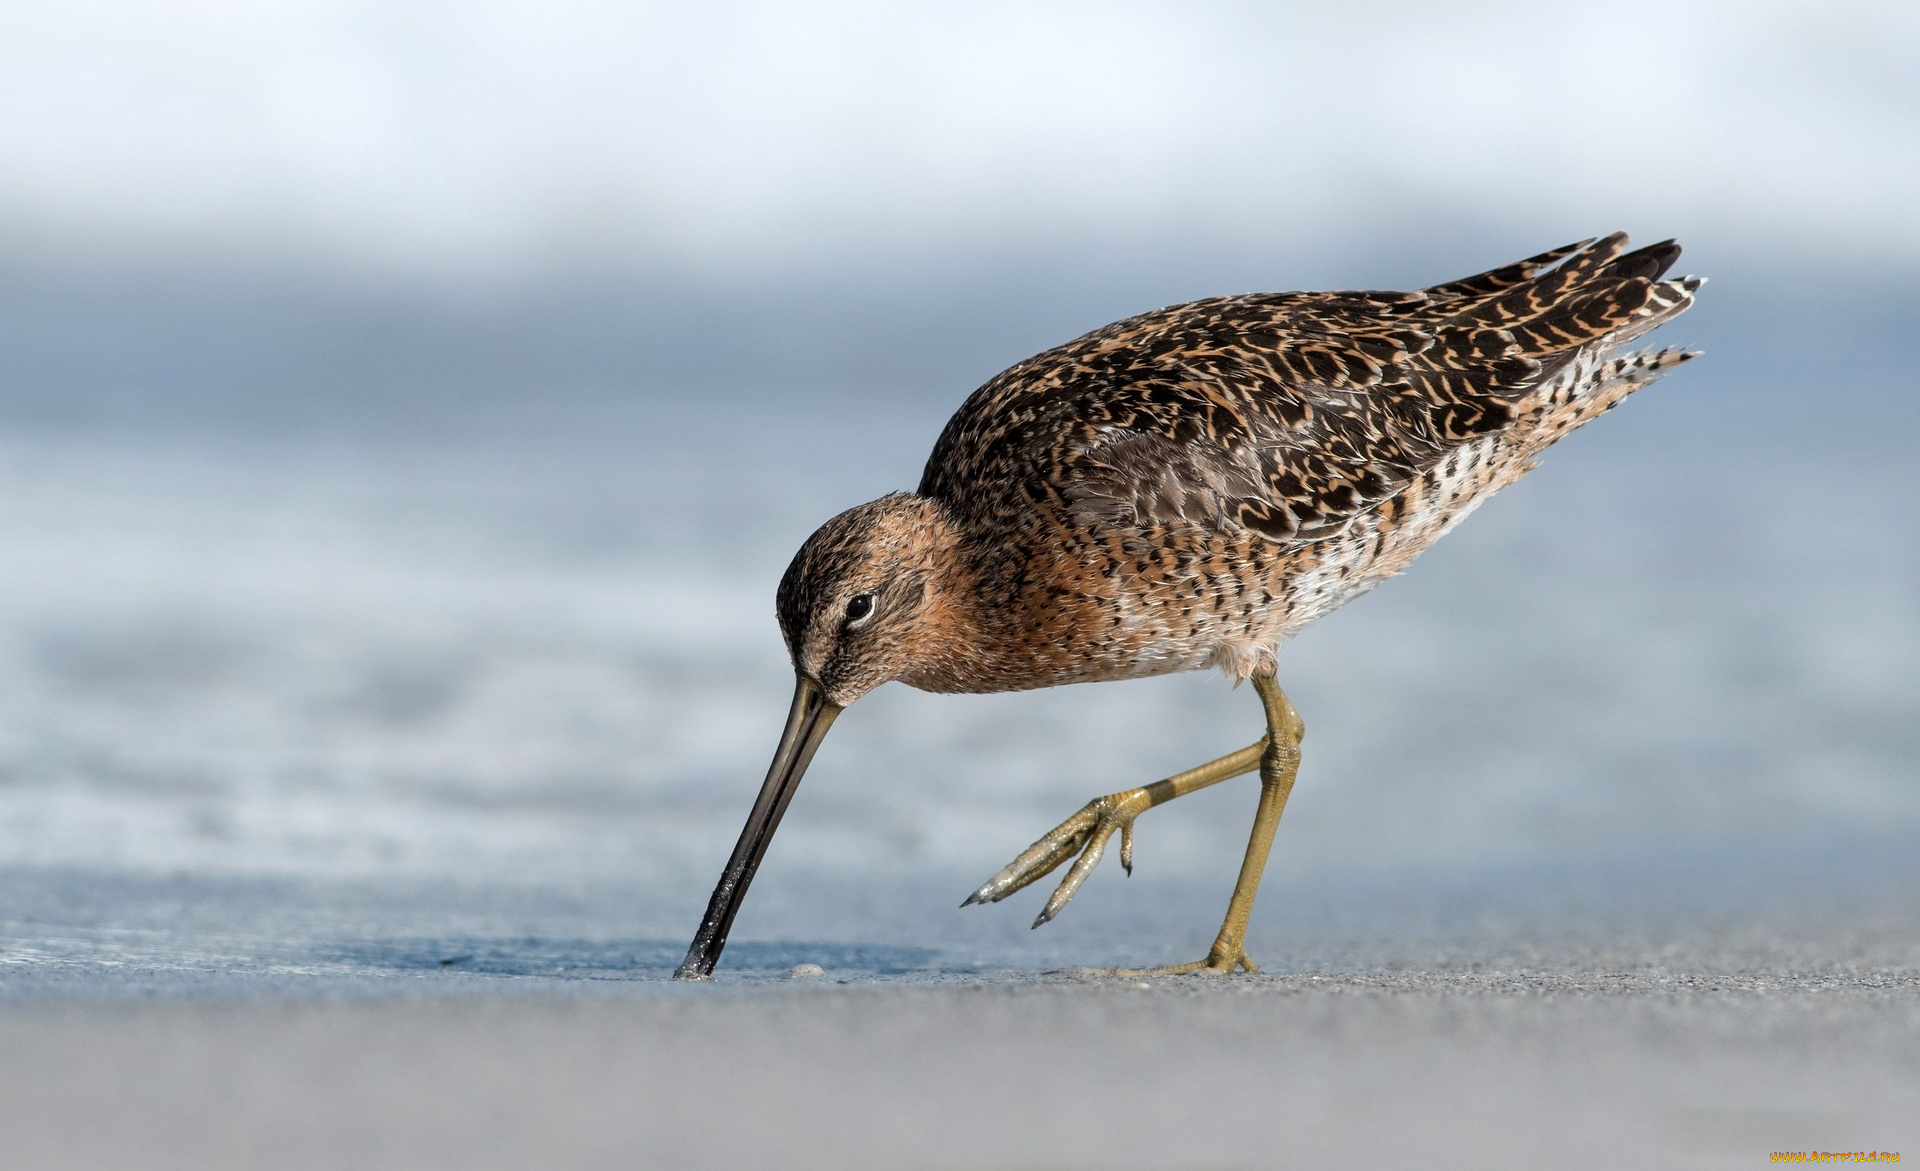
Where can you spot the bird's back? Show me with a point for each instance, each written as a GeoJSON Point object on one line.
{"type": "Point", "coordinates": [1211, 476]}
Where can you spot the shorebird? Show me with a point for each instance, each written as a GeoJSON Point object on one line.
{"type": "Point", "coordinates": [1186, 489]}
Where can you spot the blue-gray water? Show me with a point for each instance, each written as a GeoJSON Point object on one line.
{"type": "Point", "coordinates": [1676, 671]}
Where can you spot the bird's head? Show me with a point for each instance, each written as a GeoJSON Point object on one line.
{"type": "Point", "coordinates": [865, 601]}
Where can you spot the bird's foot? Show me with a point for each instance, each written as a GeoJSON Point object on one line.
{"type": "Point", "coordinates": [1086, 833]}
{"type": "Point", "coordinates": [1214, 965]}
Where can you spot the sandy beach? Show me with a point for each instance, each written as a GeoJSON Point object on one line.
{"type": "Point", "coordinates": [1639, 1058]}
{"type": "Point", "coordinates": [200, 1024]}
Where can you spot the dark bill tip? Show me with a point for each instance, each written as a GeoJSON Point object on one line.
{"type": "Point", "coordinates": [807, 723]}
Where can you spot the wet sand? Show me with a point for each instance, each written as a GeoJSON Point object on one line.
{"type": "Point", "coordinates": [1689, 1044]}
{"type": "Point", "coordinates": [1480, 1069]}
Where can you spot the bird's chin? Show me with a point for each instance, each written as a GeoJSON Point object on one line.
{"type": "Point", "coordinates": [844, 693]}
{"type": "Point", "coordinates": [844, 698]}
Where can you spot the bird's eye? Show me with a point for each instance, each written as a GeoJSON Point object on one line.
{"type": "Point", "coordinates": [858, 608]}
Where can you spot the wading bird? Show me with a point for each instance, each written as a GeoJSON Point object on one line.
{"type": "Point", "coordinates": [1186, 489]}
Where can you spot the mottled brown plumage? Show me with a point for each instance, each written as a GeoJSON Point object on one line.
{"type": "Point", "coordinates": [1189, 487]}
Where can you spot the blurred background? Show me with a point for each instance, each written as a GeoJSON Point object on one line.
{"type": "Point", "coordinates": [407, 409]}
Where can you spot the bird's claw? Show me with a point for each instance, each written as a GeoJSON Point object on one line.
{"type": "Point", "coordinates": [1216, 964]}
{"type": "Point", "coordinates": [1086, 833]}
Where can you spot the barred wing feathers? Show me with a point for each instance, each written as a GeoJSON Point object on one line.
{"type": "Point", "coordinates": [1287, 413]}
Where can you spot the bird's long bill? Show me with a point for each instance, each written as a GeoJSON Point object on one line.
{"type": "Point", "coordinates": [807, 725]}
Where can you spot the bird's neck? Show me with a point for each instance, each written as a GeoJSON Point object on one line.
{"type": "Point", "coordinates": [960, 643]}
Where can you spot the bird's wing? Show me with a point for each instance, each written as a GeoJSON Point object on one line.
{"type": "Point", "coordinates": [1288, 414]}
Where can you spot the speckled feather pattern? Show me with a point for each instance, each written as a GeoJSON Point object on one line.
{"type": "Point", "coordinates": [1189, 487]}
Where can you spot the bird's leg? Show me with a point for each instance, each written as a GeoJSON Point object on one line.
{"type": "Point", "coordinates": [1279, 761]}
{"type": "Point", "coordinates": [1087, 832]}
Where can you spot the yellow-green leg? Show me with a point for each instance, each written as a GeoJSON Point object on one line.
{"type": "Point", "coordinates": [1276, 755]}
{"type": "Point", "coordinates": [1278, 766]}
{"type": "Point", "coordinates": [1087, 832]}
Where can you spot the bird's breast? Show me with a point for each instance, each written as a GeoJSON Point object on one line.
{"type": "Point", "coordinates": [1089, 606]}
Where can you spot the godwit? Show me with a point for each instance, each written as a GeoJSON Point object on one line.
{"type": "Point", "coordinates": [1187, 489]}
